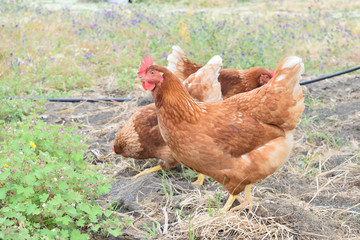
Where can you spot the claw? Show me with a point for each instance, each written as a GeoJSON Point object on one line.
{"type": "Point", "coordinates": [200, 180]}
{"type": "Point", "coordinates": [149, 170]}
{"type": "Point", "coordinates": [247, 201]}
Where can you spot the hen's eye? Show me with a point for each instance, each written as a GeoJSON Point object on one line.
{"type": "Point", "coordinates": [152, 72]}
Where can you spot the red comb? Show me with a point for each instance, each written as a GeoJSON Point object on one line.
{"type": "Point", "coordinates": [144, 65]}
{"type": "Point", "coordinates": [271, 71]}
{"type": "Point", "coordinates": [112, 149]}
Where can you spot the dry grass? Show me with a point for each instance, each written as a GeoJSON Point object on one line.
{"type": "Point", "coordinates": [315, 195]}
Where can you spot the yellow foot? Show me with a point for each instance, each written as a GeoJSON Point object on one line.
{"type": "Point", "coordinates": [149, 170]}
{"type": "Point", "coordinates": [247, 201]}
{"type": "Point", "coordinates": [229, 202]}
{"type": "Point", "coordinates": [245, 205]}
{"type": "Point", "coordinates": [200, 180]}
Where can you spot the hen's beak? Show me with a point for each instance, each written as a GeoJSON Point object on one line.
{"type": "Point", "coordinates": [139, 79]}
{"type": "Point", "coordinates": [264, 79]}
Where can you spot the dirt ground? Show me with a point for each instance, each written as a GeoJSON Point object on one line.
{"type": "Point", "coordinates": [315, 195]}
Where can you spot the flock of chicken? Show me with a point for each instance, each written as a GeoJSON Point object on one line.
{"type": "Point", "coordinates": [234, 126]}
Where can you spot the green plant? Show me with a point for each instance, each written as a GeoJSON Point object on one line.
{"type": "Point", "coordinates": [168, 191]}
{"type": "Point", "coordinates": [306, 122]}
{"type": "Point", "coordinates": [17, 109]}
{"type": "Point", "coordinates": [214, 207]}
{"type": "Point", "coordinates": [153, 231]}
{"type": "Point", "coordinates": [313, 102]}
{"type": "Point", "coordinates": [47, 188]}
{"type": "Point", "coordinates": [327, 138]}
{"type": "Point", "coordinates": [191, 228]}
{"type": "Point", "coordinates": [188, 174]}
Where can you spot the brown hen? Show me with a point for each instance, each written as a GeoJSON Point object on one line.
{"type": "Point", "coordinates": [237, 141]}
{"type": "Point", "coordinates": [140, 137]}
{"type": "Point", "coordinates": [233, 81]}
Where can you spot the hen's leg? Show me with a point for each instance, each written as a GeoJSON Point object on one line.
{"type": "Point", "coordinates": [228, 203]}
{"type": "Point", "coordinates": [149, 170]}
{"type": "Point", "coordinates": [247, 204]}
{"type": "Point", "coordinates": [200, 180]}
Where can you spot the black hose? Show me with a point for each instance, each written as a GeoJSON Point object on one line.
{"type": "Point", "coordinates": [75, 99]}
{"type": "Point", "coordinates": [330, 76]}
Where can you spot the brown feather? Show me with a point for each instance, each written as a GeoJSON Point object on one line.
{"type": "Point", "coordinates": [233, 81]}
{"type": "Point", "coordinates": [237, 141]}
{"type": "Point", "coordinates": [140, 138]}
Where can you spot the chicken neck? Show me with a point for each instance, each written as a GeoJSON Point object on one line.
{"type": "Point", "coordinates": [172, 99]}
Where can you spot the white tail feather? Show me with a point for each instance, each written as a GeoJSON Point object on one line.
{"type": "Point", "coordinates": [288, 74]}
{"type": "Point", "coordinates": [206, 78]}
{"type": "Point", "coordinates": [286, 83]}
{"type": "Point", "coordinates": [176, 61]}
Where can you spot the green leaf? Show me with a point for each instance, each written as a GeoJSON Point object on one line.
{"type": "Point", "coordinates": [103, 189]}
{"type": "Point", "coordinates": [93, 218]}
{"type": "Point", "coordinates": [64, 220]}
{"type": "Point", "coordinates": [63, 185]}
{"type": "Point", "coordinates": [23, 207]}
{"type": "Point", "coordinates": [31, 208]}
{"type": "Point", "coordinates": [48, 233]}
{"type": "Point", "coordinates": [36, 225]}
{"type": "Point", "coordinates": [43, 197]}
{"type": "Point", "coordinates": [96, 227]}
{"type": "Point", "coordinates": [13, 214]}
{"type": "Point", "coordinates": [84, 207]}
{"type": "Point", "coordinates": [4, 175]}
{"type": "Point", "coordinates": [5, 209]}
{"type": "Point", "coordinates": [29, 179]}
{"type": "Point", "coordinates": [76, 235]}
{"type": "Point", "coordinates": [107, 213]}
{"type": "Point", "coordinates": [28, 191]}
{"type": "Point", "coordinates": [56, 200]}
{"type": "Point", "coordinates": [77, 156]}
{"type": "Point", "coordinates": [80, 222]}
{"type": "Point", "coordinates": [8, 223]}
{"type": "Point", "coordinates": [3, 192]}
{"type": "Point", "coordinates": [71, 211]}
{"type": "Point", "coordinates": [64, 234]}
{"type": "Point", "coordinates": [115, 232]}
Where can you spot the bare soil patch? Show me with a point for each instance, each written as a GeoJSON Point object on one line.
{"type": "Point", "coordinates": [315, 195]}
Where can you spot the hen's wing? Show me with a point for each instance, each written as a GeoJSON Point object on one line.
{"type": "Point", "coordinates": [280, 102]}
{"type": "Point", "coordinates": [234, 81]}
{"type": "Point", "coordinates": [246, 137]}
{"type": "Point", "coordinates": [180, 65]}
{"type": "Point", "coordinates": [204, 85]}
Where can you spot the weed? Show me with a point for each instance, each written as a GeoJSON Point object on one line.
{"type": "Point", "coordinates": [313, 102]}
{"type": "Point", "coordinates": [168, 191]}
{"type": "Point", "coordinates": [153, 231]}
{"type": "Point", "coordinates": [46, 185]}
{"type": "Point", "coordinates": [188, 174]}
{"type": "Point", "coordinates": [17, 110]}
{"type": "Point", "coordinates": [214, 207]}
{"type": "Point", "coordinates": [306, 122]}
{"type": "Point", "coordinates": [326, 138]}
{"type": "Point", "coordinates": [191, 228]}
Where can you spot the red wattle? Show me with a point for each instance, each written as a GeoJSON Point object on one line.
{"type": "Point", "coordinates": [149, 86]}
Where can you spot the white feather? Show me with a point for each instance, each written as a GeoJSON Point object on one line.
{"type": "Point", "coordinates": [291, 62]}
